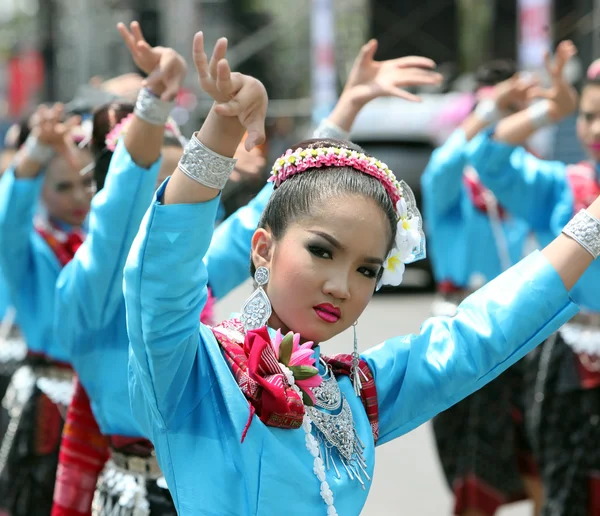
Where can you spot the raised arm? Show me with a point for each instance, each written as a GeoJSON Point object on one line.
{"type": "Point", "coordinates": [530, 188]}
{"type": "Point", "coordinates": [21, 187]}
{"type": "Point", "coordinates": [560, 100]}
{"type": "Point", "coordinates": [165, 278]}
{"type": "Point", "coordinates": [493, 329]}
{"type": "Point", "coordinates": [370, 79]}
{"type": "Point", "coordinates": [90, 287]}
{"type": "Point", "coordinates": [442, 179]}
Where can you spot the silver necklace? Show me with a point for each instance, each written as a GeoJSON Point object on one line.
{"type": "Point", "coordinates": [337, 431]}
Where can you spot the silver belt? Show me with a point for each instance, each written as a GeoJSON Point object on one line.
{"type": "Point", "coordinates": [145, 466]}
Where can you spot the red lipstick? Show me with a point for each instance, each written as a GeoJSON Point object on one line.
{"type": "Point", "coordinates": [328, 313]}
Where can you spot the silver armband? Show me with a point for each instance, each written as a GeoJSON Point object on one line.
{"type": "Point", "coordinates": [539, 114]}
{"type": "Point", "coordinates": [205, 166]}
{"type": "Point", "coordinates": [37, 151]}
{"type": "Point", "coordinates": [584, 228]}
{"type": "Point", "coordinates": [328, 129]}
{"type": "Point", "coordinates": [488, 111]}
{"type": "Point", "coordinates": [151, 109]}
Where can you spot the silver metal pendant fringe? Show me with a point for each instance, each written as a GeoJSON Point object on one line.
{"type": "Point", "coordinates": [119, 493]}
{"type": "Point", "coordinates": [336, 431]}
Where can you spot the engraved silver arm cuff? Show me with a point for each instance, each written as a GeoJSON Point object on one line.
{"type": "Point", "coordinates": [37, 151]}
{"type": "Point", "coordinates": [205, 166]}
{"type": "Point", "coordinates": [151, 109]}
{"type": "Point", "coordinates": [328, 129]}
{"type": "Point", "coordinates": [584, 228]}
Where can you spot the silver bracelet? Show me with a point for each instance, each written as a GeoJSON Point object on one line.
{"type": "Point", "coordinates": [539, 114]}
{"type": "Point", "coordinates": [584, 228]}
{"type": "Point", "coordinates": [151, 109]}
{"type": "Point", "coordinates": [488, 111]}
{"type": "Point", "coordinates": [328, 129]}
{"type": "Point", "coordinates": [37, 151]}
{"type": "Point", "coordinates": [205, 166]}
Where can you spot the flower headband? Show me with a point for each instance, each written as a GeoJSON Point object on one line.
{"type": "Point", "coordinates": [410, 240]}
{"type": "Point", "coordinates": [121, 128]}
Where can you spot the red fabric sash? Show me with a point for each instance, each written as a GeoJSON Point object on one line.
{"type": "Point", "coordinates": [480, 196]}
{"type": "Point", "coordinates": [83, 453]}
{"type": "Point", "coordinates": [274, 402]}
{"type": "Point", "coordinates": [585, 187]}
{"type": "Point", "coordinates": [63, 244]}
{"type": "Point", "coordinates": [584, 184]}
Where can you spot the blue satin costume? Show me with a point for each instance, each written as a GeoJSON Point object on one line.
{"type": "Point", "coordinates": [90, 308]}
{"type": "Point", "coordinates": [187, 401]}
{"type": "Point", "coordinates": [460, 237]}
{"type": "Point", "coordinates": [538, 191]}
{"type": "Point", "coordinates": [31, 266]}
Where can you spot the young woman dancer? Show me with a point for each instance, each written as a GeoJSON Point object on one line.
{"type": "Point", "coordinates": [563, 377]}
{"type": "Point", "coordinates": [54, 168]}
{"type": "Point", "coordinates": [143, 148]}
{"type": "Point", "coordinates": [245, 421]}
{"type": "Point", "coordinates": [472, 239]}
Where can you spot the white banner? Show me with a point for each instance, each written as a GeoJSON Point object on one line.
{"type": "Point", "coordinates": [535, 35]}
{"type": "Point", "coordinates": [323, 73]}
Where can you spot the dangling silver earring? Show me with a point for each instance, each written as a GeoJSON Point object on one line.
{"type": "Point", "coordinates": [355, 372]}
{"type": "Point", "coordinates": [257, 308]}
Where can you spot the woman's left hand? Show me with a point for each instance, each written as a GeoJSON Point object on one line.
{"type": "Point", "coordinates": [370, 79]}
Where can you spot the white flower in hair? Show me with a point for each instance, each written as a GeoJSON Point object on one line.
{"type": "Point", "coordinates": [408, 227]}
{"type": "Point", "coordinates": [393, 269]}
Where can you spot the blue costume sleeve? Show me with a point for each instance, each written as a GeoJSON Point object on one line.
{"type": "Point", "coordinates": [419, 376]}
{"type": "Point", "coordinates": [19, 200]}
{"type": "Point", "coordinates": [165, 292]}
{"type": "Point", "coordinates": [441, 181]}
{"type": "Point", "coordinates": [228, 258]}
{"type": "Point", "coordinates": [90, 287]}
{"type": "Point", "coordinates": [530, 188]}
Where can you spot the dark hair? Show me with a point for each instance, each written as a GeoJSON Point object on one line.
{"type": "Point", "coordinates": [296, 196]}
{"type": "Point", "coordinates": [17, 134]}
{"type": "Point", "coordinates": [494, 72]}
{"type": "Point", "coordinates": [105, 119]}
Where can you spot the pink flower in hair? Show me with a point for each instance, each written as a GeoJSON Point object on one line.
{"type": "Point", "coordinates": [593, 72]}
{"type": "Point", "coordinates": [112, 138]}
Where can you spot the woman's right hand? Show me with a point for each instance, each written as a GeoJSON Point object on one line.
{"type": "Point", "coordinates": [48, 127]}
{"type": "Point", "coordinates": [512, 94]}
{"type": "Point", "coordinates": [236, 95]}
{"type": "Point", "coordinates": [165, 68]}
{"type": "Point", "coordinates": [562, 95]}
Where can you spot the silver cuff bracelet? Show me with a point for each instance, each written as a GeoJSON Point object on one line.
{"type": "Point", "coordinates": [151, 109]}
{"type": "Point", "coordinates": [584, 228]}
{"type": "Point", "coordinates": [488, 111]}
{"type": "Point", "coordinates": [539, 114]}
{"type": "Point", "coordinates": [37, 151]}
{"type": "Point", "coordinates": [205, 166]}
{"type": "Point", "coordinates": [328, 129]}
